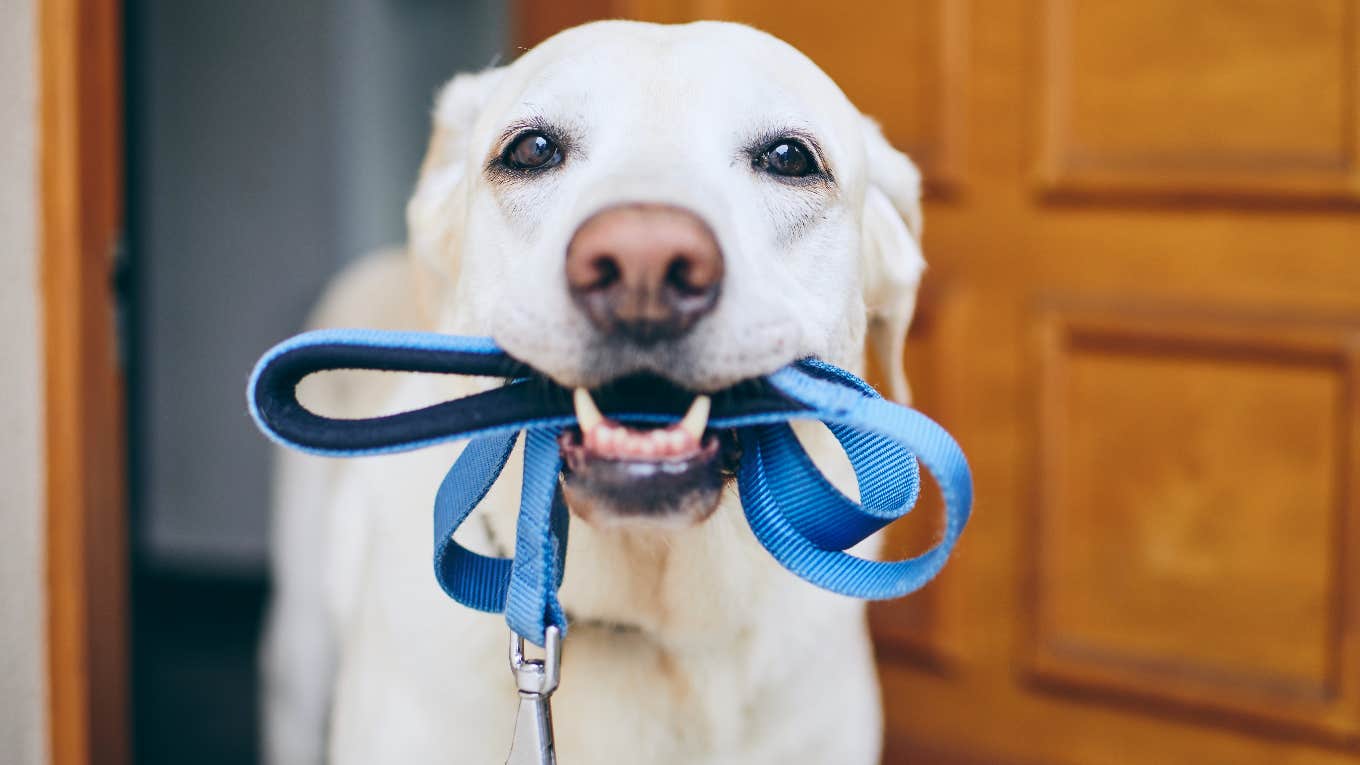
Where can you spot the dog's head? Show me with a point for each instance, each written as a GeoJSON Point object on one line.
{"type": "Point", "coordinates": [687, 206]}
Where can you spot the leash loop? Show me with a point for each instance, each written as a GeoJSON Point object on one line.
{"type": "Point", "coordinates": [793, 510]}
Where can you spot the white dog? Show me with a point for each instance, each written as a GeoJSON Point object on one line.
{"type": "Point", "coordinates": [699, 203]}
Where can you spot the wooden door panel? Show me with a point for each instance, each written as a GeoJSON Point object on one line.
{"type": "Point", "coordinates": [1190, 540]}
{"type": "Point", "coordinates": [1219, 96]}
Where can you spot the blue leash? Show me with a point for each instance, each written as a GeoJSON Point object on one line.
{"type": "Point", "coordinates": [795, 513]}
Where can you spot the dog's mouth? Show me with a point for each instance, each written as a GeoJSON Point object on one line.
{"type": "Point", "coordinates": [660, 475]}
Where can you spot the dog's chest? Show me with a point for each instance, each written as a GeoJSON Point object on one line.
{"type": "Point", "coordinates": [624, 699]}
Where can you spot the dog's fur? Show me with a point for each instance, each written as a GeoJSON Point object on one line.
{"type": "Point", "coordinates": [687, 646]}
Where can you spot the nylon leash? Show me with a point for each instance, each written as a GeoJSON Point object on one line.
{"type": "Point", "coordinates": [795, 513]}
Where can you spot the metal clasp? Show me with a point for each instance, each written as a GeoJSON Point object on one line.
{"type": "Point", "coordinates": [536, 680]}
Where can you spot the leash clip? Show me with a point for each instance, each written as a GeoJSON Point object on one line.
{"type": "Point", "coordinates": [536, 680]}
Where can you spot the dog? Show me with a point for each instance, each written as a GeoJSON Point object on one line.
{"type": "Point", "coordinates": [698, 203]}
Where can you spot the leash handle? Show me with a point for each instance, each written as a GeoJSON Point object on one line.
{"type": "Point", "coordinates": [272, 391]}
{"type": "Point", "coordinates": [795, 513]}
{"type": "Point", "coordinates": [526, 401]}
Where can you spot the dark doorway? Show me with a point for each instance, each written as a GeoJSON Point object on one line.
{"type": "Point", "coordinates": [268, 144]}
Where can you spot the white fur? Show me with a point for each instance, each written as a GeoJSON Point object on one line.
{"type": "Point", "coordinates": [727, 658]}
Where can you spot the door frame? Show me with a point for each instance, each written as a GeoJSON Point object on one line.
{"type": "Point", "coordinates": [81, 149]}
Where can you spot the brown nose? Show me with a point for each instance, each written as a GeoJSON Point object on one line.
{"type": "Point", "coordinates": [644, 272]}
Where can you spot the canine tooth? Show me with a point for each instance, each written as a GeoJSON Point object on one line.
{"type": "Point", "coordinates": [696, 419]}
{"type": "Point", "coordinates": [600, 438]}
{"type": "Point", "coordinates": [587, 414]}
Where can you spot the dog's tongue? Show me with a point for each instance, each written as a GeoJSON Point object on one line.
{"type": "Point", "coordinates": [608, 439]}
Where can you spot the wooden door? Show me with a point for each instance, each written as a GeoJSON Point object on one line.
{"type": "Point", "coordinates": [1142, 320]}
{"type": "Point", "coordinates": [81, 201]}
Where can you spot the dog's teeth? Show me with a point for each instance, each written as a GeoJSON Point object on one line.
{"type": "Point", "coordinates": [696, 419]}
{"type": "Point", "coordinates": [587, 414]}
{"type": "Point", "coordinates": [602, 439]}
{"type": "Point", "coordinates": [613, 440]}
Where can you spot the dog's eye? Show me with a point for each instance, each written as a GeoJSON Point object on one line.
{"type": "Point", "coordinates": [787, 157]}
{"type": "Point", "coordinates": [532, 151]}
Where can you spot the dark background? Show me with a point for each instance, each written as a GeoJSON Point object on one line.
{"type": "Point", "coordinates": [269, 143]}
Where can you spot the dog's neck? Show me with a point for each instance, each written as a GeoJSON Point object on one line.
{"type": "Point", "coordinates": [502, 548]}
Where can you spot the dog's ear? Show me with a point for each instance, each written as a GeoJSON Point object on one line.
{"type": "Point", "coordinates": [892, 260]}
{"type": "Point", "coordinates": [436, 213]}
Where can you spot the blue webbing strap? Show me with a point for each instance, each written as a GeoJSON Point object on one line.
{"type": "Point", "coordinates": [795, 513]}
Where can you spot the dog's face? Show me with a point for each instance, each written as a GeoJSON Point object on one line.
{"type": "Point", "coordinates": [692, 206]}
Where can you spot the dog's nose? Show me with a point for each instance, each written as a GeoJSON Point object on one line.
{"type": "Point", "coordinates": [645, 272]}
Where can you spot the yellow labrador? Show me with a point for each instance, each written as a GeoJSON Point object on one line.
{"type": "Point", "coordinates": [698, 203]}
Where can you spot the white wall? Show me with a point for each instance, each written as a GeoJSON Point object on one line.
{"type": "Point", "coordinates": [23, 729]}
